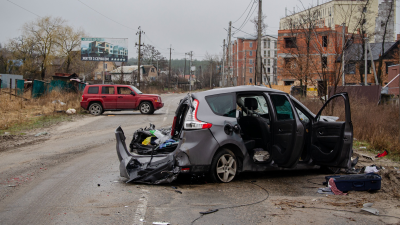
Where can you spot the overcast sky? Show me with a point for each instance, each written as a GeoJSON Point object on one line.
{"type": "Point", "coordinates": [187, 25]}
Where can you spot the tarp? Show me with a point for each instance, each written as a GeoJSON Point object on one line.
{"type": "Point", "coordinates": [20, 87]}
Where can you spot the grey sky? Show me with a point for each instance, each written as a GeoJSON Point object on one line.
{"type": "Point", "coordinates": [187, 25]}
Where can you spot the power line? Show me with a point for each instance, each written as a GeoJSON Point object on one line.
{"type": "Point", "coordinates": [24, 8]}
{"type": "Point", "coordinates": [248, 17]}
{"type": "Point", "coordinates": [244, 11]}
{"type": "Point", "coordinates": [105, 16]}
{"type": "Point", "coordinates": [244, 32]}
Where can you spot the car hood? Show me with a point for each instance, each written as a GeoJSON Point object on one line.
{"type": "Point", "coordinates": [149, 95]}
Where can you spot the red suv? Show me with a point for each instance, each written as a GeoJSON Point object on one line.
{"type": "Point", "coordinates": [110, 97]}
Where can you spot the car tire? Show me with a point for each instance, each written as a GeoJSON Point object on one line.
{"type": "Point", "coordinates": [96, 109]}
{"type": "Point", "coordinates": [146, 108]}
{"type": "Point", "coordinates": [224, 166]}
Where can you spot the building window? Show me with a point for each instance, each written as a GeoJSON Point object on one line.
{"type": "Point", "coordinates": [290, 42]}
{"type": "Point", "coordinates": [324, 62]}
{"type": "Point", "coordinates": [350, 68]}
{"type": "Point", "coordinates": [265, 53]}
{"type": "Point", "coordinates": [251, 62]}
{"type": "Point", "coordinates": [251, 44]}
{"type": "Point", "coordinates": [105, 65]}
{"type": "Point", "coordinates": [269, 43]}
{"type": "Point", "coordinates": [288, 83]}
{"type": "Point", "coordinates": [269, 54]}
{"type": "Point", "coordinates": [250, 80]}
{"type": "Point", "coordinates": [324, 41]}
{"type": "Point", "coordinates": [265, 61]}
{"type": "Point", "coordinates": [152, 70]}
{"type": "Point", "coordinates": [250, 71]}
{"type": "Point", "coordinates": [265, 43]}
{"type": "Point", "coordinates": [275, 53]}
{"type": "Point", "coordinates": [251, 53]}
{"type": "Point", "coordinates": [269, 70]}
{"type": "Point", "coordinates": [275, 44]}
{"type": "Point", "coordinates": [269, 62]}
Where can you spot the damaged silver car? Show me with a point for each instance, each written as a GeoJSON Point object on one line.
{"type": "Point", "coordinates": [223, 132]}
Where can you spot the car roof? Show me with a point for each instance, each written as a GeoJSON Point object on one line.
{"type": "Point", "coordinates": [109, 85]}
{"type": "Point", "coordinates": [242, 88]}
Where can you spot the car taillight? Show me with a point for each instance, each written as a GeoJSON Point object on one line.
{"type": "Point", "coordinates": [191, 121]}
{"type": "Point", "coordinates": [173, 127]}
{"type": "Point", "coordinates": [82, 98]}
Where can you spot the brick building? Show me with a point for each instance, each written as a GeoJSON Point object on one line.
{"type": "Point", "coordinates": [308, 56]}
{"type": "Point", "coordinates": [244, 51]}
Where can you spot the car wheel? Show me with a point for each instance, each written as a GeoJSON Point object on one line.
{"type": "Point", "coordinates": [146, 108]}
{"type": "Point", "coordinates": [224, 166]}
{"type": "Point", "coordinates": [96, 109]}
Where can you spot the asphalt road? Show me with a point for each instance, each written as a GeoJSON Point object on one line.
{"type": "Point", "coordinates": [73, 178]}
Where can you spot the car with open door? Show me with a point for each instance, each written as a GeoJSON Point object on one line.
{"type": "Point", "coordinates": [223, 132]}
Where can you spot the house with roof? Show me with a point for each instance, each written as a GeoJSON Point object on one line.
{"type": "Point", "coordinates": [355, 61]}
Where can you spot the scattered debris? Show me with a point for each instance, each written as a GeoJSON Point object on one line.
{"type": "Point", "coordinates": [367, 157]}
{"type": "Point", "coordinates": [142, 220]}
{"type": "Point", "coordinates": [382, 154]}
{"type": "Point", "coordinates": [371, 169]}
{"type": "Point", "coordinates": [98, 185]}
{"type": "Point", "coordinates": [41, 133]}
{"type": "Point", "coordinates": [70, 111]}
{"type": "Point", "coordinates": [161, 223]}
{"type": "Point", "coordinates": [333, 187]}
{"type": "Point", "coordinates": [7, 133]}
{"type": "Point", "coordinates": [363, 147]}
{"type": "Point", "coordinates": [180, 192]}
{"type": "Point", "coordinates": [58, 101]}
{"type": "Point", "coordinates": [367, 208]}
{"type": "Point", "coordinates": [174, 187]}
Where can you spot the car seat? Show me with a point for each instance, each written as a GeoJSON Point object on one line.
{"type": "Point", "coordinates": [254, 127]}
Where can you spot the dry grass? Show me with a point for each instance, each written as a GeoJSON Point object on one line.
{"type": "Point", "coordinates": [376, 124]}
{"type": "Point", "coordinates": [16, 111]}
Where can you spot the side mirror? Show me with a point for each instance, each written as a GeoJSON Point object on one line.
{"type": "Point", "coordinates": [133, 93]}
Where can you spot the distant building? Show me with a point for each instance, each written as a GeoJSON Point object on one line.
{"type": "Point", "coordinates": [244, 59]}
{"type": "Point", "coordinates": [336, 12]}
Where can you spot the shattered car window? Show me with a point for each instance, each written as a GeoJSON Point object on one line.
{"type": "Point", "coordinates": [282, 107]}
{"type": "Point", "coordinates": [223, 104]}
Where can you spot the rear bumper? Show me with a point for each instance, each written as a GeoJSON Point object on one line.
{"type": "Point", "coordinates": [84, 105]}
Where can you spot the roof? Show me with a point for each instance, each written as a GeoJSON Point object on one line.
{"type": "Point", "coordinates": [254, 37]}
{"type": "Point", "coordinates": [354, 52]}
{"type": "Point", "coordinates": [236, 89]}
{"type": "Point", "coordinates": [125, 69]}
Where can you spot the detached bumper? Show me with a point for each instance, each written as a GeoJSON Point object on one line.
{"type": "Point", "coordinates": [155, 169]}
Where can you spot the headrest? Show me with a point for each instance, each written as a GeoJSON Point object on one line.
{"type": "Point", "coordinates": [251, 103]}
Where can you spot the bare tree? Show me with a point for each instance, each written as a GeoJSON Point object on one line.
{"type": "Point", "coordinates": [44, 32]}
{"type": "Point", "coordinates": [67, 42]}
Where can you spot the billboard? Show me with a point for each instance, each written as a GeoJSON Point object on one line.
{"type": "Point", "coordinates": [104, 49]}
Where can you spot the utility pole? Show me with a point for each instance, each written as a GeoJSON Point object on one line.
{"type": "Point", "coordinates": [365, 62]}
{"type": "Point", "coordinates": [184, 70]}
{"type": "Point", "coordinates": [169, 73]}
{"type": "Point", "coordinates": [259, 27]}
{"type": "Point", "coordinates": [245, 69]}
{"type": "Point", "coordinates": [140, 32]}
{"type": "Point", "coordinates": [223, 64]}
{"type": "Point", "coordinates": [229, 50]}
{"type": "Point", "coordinates": [343, 42]}
{"type": "Point", "coordinates": [190, 70]}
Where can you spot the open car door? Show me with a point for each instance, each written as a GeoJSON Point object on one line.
{"type": "Point", "coordinates": [287, 132]}
{"type": "Point", "coordinates": [332, 142]}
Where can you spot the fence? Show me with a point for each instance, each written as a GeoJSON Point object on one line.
{"type": "Point", "coordinates": [40, 88]}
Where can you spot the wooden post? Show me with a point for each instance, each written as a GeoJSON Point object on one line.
{"type": "Point", "coordinates": [10, 87]}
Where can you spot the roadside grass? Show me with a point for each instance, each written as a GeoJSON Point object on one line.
{"type": "Point", "coordinates": [17, 114]}
{"type": "Point", "coordinates": [374, 126]}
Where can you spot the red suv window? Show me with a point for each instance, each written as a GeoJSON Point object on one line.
{"type": "Point", "coordinates": [93, 90]}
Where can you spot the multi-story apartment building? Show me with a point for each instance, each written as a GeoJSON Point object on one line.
{"type": "Point", "coordinates": [98, 48]}
{"type": "Point", "coordinates": [356, 14]}
{"type": "Point", "coordinates": [243, 60]}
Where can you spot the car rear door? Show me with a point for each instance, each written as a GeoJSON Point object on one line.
{"type": "Point", "coordinates": [287, 131]}
{"type": "Point", "coordinates": [125, 99]}
{"type": "Point", "coordinates": [108, 96]}
{"type": "Point", "coordinates": [331, 142]}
